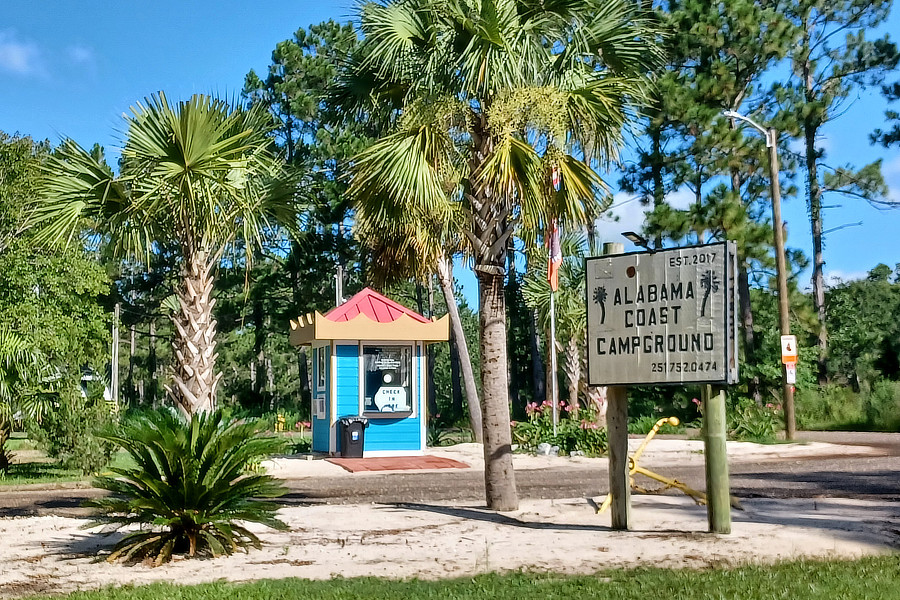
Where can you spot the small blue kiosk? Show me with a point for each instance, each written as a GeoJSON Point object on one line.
{"type": "Point", "coordinates": [368, 359]}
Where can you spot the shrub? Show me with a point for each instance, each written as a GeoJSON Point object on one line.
{"type": "Point", "coordinates": [189, 487]}
{"type": "Point", "coordinates": [581, 434]}
{"type": "Point", "coordinates": [753, 423]}
{"type": "Point", "coordinates": [840, 407]}
{"type": "Point", "coordinates": [68, 432]}
{"type": "Point", "coordinates": [643, 426]}
{"type": "Point", "coordinates": [829, 407]}
{"type": "Point", "coordinates": [883, 406]}
{"type": "Point", "coordinates": [301, 445]}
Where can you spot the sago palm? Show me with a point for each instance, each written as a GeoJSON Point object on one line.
{"type": "Point", "coordinates": [188, 491]}
{"type": "Point", "coordinates": [482, 100]}
{"type": "Point", "coordinates": [198, 174]}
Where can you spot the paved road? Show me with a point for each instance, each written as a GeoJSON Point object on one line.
{"type": "Point", "coordinates": [870, 477]}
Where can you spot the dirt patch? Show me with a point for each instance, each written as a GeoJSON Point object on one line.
{"type": "Point", "coordinates": [438, 540]}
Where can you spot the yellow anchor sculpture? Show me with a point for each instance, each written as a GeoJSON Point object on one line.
{"type": "Point", "coordinates": [668, 483]}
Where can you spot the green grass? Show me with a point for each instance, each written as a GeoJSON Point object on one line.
{"type": "Point", "coordinates": [49, 472]}
{"type": "Point", "coordinates": [38, 472]}
{"type": "Point", "coordinates": [20, 444]}
{"type": "Point", "coordinates": [866, 578]}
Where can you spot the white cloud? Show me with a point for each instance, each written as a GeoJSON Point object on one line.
{"type": "Point", "coordinates": [798, 145]}
{"type": "Point", "coordinates": [628, 214]}
{"type": "Point", "coordinates": [625, 214]}
{"type": "Point", "coordinates": [891, 169]}
{"type": "Point", "coordinates": [19, 57]}
{"type": "Point", "coordinates": [681, 198]}
{"type": "Point", "coordinates": [835, 277]}
{"type": "Point", "coordinates": [81, 55]}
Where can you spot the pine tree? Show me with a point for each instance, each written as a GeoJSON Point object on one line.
{"type": "Point", "coordinates": [831, 58]}
{"type": "Point", "coordinates": [718, 56]}
{"type": "Point", "coordinates": [890, 137]}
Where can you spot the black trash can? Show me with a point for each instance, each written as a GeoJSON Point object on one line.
{"type": "Point", "coordinates": [353, 435]}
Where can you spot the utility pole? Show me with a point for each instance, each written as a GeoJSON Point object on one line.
{"type": "Point", "coordinates": [339, 285]}
{"type": "Point", "coordinates": [784, 315]}
{"type": "Point", "coordinates": [114, 376]}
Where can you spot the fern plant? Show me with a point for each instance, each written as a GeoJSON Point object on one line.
{"type": "Point", "coordinates": [189, 491]}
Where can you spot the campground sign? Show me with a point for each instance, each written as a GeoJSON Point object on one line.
{"type": "Point", "coordinates": [663, 317]}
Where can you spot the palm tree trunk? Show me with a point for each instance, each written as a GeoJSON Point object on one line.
{"type": "Point", "coordinates": [489, 232]}
{"type": "Point", "coordinates": [517, 406]}
{"type": "Point", "coordinates": [499, 477]}
{"type": "Point", "coordinates": [573, 372]}
{"type": "Point", "coordinates": [302, 369]}
{"type": "Point", "coordinates": [5, 434]}
{"type": "Point", "coordinates": [195, 380]}
{"type": "Point", "coordinates": [538, 379]}
{"type": "Point", "coordinates": [753, 385]}
{"type": "Point", "coordinates": [151, 366]}
{"type": "Point", "coordinates": [456, 393]}
{"type": "Point", "coordinates": [430, 389]}
{"type": "Point", "coordinates": [465, 362]}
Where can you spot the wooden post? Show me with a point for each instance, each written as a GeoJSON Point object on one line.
{"type": "Point", "coordinates": [718, 493]}
{"type": "Point", "coordinates": [617, 437]}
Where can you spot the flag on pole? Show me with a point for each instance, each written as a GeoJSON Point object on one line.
{"type": "Point", "coordinates": [555, 178]}
{"type": "Point", "coordinates": [555, 258]}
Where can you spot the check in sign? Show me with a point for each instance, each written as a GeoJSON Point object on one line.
{"type": "Point", "coordinates": [663, 318]}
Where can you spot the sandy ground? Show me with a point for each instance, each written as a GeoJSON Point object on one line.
{"type": "Point", "coordinates": [54, 554]}
{"type": "Point", "coordinates": [659, 453]}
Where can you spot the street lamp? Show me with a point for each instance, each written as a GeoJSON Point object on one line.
{"type": "Point", "coordinates": [771, 136]}
{"type": "Point", "coordinates": [638, 240]}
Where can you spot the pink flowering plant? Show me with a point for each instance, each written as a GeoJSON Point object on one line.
{"type": "Point", "coordinates": [573, 434]}
{"type": "Point", "coordinates": [750, 422]}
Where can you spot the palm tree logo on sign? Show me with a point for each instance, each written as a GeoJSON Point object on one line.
{"type": "Point", "coordinates": [709, 281]}
{"type": "Point", "coordinates": [600, 298]}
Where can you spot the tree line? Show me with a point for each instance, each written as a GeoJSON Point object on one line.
{"type": "Point", "coordinates": [435, 133]}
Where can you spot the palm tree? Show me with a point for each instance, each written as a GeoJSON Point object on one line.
{"type": "Point", "coordinates": [20, 368]}
{"type": "Point", "coordinates": [571, 312]}
{"type": "Point", "coordinates": [481, 99]}
{"type": "Point", "coordinates": [198, 174]}
{"type": "Point", "coordinates": [407, 246]}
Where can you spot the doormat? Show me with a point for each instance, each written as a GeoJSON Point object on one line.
{"type": "Point", "coordinates": [397, 463]}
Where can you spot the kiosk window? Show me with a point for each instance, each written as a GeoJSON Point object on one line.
{"type": "Point", "coordinates": [321, 361]}
{"type": "Point", "coordinates": [387, 379]}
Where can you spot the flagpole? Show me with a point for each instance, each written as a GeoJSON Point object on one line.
{"type": "Point", "coordinates": [555, 256]}
{"type": "Point", "coordinates": [554, 389]}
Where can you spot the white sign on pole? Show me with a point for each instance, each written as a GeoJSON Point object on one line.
{"type": "Point", "coordinates": [788, 349]}
{"type": "Point", "coordinates": [790, 372]}
{"type": "Point", "coordinates": [663, 317]}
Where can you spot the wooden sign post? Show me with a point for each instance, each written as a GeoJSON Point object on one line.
{"type": "Point", "coordinates": [664, 318]}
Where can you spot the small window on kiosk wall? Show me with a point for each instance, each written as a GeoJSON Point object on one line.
{"type": "Point", "coordinates": [387, 379]}
{"type": "Point", "coordinates": [320, 368]}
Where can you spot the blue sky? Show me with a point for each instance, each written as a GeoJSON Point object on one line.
{"type": "Point", "coordinates": [71, 68]}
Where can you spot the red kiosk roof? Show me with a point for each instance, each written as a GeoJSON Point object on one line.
{"type": "Point", "coordinates": [373, 305]}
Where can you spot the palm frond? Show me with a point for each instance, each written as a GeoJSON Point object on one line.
{"type": "Point", "coordinates": [78, 192]}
